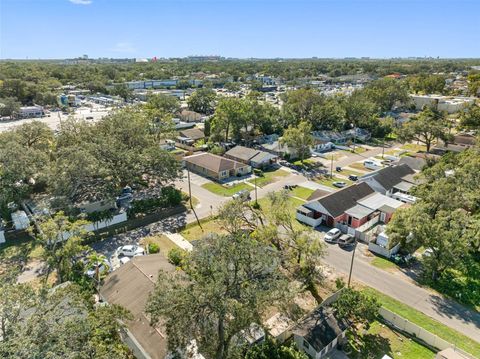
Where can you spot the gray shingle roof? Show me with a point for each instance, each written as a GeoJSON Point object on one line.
{"type": "Point", "coordinates": [338, 202]}
{"type": "Point", "coordinates": [320, 328]}
{"type": "Point", "coordinates": [388, 177]}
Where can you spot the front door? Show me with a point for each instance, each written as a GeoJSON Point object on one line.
{"type": "Point", "coordinates": [382, 217]}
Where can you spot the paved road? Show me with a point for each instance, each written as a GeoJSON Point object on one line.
{"type": "Point", "coordinates": [401, 287]}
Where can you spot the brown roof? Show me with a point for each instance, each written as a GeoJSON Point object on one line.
{"type": "Point", "coordinates": [338, 202]}
{"type": "Point", "coordinates": [193, 133]}
{"type": "Point", "coordinates": [129, 286]}
{"type": "Point", "coordinates": [213, 162]}
{"type": "Point", "coordinates": [464, 139]}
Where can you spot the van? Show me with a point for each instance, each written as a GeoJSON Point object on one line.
{"type": "Point", "coordinates": [372, 165]}
{"type": "Point", "coordinates": [243, 195]}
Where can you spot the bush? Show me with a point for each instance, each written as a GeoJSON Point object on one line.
{"type": "Point", "coordinates": [153, 248]}
{"type": "Point", "coordinates": [169, 197]}
{"type": "Point", "coordinates": [175, 256]}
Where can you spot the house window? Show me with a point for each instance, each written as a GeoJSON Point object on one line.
{"type": "Point", "coordinates": [305, 344]}
{"type": "Point", "coordinates": [224, 173]}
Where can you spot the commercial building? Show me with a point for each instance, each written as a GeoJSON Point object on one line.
{"type": "Point", "coordinates": [449, 104]}
{"type": "Point", "coordinates": [31, 112]}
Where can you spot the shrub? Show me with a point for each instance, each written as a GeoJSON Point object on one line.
{"type": "Point", "coordinates": [169, 197]}
{"type": "Point", "coordinates": [175, 256]}
{"type": "Point", "coordinates": [153, 248]}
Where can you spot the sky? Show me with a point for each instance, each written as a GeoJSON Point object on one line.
{"type": "Point", "coordinates": [239, 28]}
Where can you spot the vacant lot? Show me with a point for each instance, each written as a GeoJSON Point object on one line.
{"type": "Point", "coordinates": [327, 181]}
{"type": "Point", "coordinates": [162, 241]}
{"type": "Point", "coordinates": [427, 323]}
{"type": "Point", "coordinates": [226, 191]}
{"type": "Point", "coordinates": [381, 340]}
{"type": "Point", "coordinates": [383, 263]}
{"type": "Point", "coordinates": [193, 232]}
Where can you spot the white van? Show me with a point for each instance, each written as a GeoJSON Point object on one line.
{"type": "Point", "coordinates": [372, 165]}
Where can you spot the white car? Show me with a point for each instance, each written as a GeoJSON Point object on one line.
{"type": "Point", "coordinates": [124, 260]}
{"type": "Point", "coordinates": [103, 268]}
{"type": "Point", "coordinates": [372, 165]}
{"type": "Point", "coordinates": [131, 250]}
{"type": "Point", "coordinates": [332, 235]}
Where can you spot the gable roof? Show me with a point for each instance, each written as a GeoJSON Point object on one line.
{"type": "Point", "coordinates": [213, 162]}
{"type": "Point", "coordinates": [320, 328]}
{"type": "Point", "coordinates": [249, 154]}
{"type": "Point", "coordinates": [193, 133]}
{"type": "Point", "coordinates": [388, 177]}
{"type": "Point", "coordinates": [415, 163]}
{"type": "Point", "coordinates": [338, 202]}
{"type": "Point", "coordinates": [318, 193]}
{"type": "Point", "coordinates": [129, 286]}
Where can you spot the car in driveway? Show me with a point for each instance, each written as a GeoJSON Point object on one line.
{"type": "Point", "coordinates": [353, 178]}
{"type": "Point", "coordinates": [131, 250]}
{"type": "Point", "coordinates": [332, 235]}
{"type": "Point", "coordinates": [346, 241]}
{"type": "Point", "coordinates": [339, 184]}
{"type": "Point", "coordinates": [102, 267]}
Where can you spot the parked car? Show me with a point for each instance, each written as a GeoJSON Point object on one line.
{"type": "Point", "coordinates": [290, 186]}
{"type": "Point", "coordinates": [131, 250]}
{"type": "Point", "coordinates": [346, 241]}
{"type": "Point", "coordinates": [243, 195]}
{"type": "Point", "coordinates": [103, 268]}
{"type": "Point", "coordinates": [353, 178]}
{"type": "Point", "coordinates": [339, 184]}
{"type": "Point", "coordinates": [372, 165]}
{"type": "Point", "coordinates": [332, 235]}
{"type": "Point", "coordinates": [403, 260]}
{"type": "Point", "coordinates": [89, 117]}
{"type": "Point", "coordinates": [124, 260]}
{"type": "Point", "coordinates": [338, 169]}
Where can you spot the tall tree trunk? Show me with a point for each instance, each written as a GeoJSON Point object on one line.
{"type": "Point", "coordinates": [220, 354]}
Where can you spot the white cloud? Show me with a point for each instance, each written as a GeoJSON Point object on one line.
{"type": "Point", "coordinates": [124, 47]}
{"type": "Point", "coordinates": [81, 2]}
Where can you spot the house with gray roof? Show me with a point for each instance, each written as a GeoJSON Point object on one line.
{"type": "Point", "coordinates": [251, 156]}
{"type": "Point", "coordinates": [389, 180]}
{"type": "Point", "coordinates": [320, 332]}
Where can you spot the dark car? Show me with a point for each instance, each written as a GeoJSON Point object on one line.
{"type": "Point", "coordinates": [338, 169]}
{"type": "Point", "coordinates": [353, 178]}
{"type": "Point", "coordinates": [346, 241]}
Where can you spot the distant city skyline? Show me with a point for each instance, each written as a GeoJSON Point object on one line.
{"type": "Point", "coordinates": [57, 29]}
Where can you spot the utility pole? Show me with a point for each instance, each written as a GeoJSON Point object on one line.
{"type": "Point", "coordinates": [256, 196]}
{"type": "Point", "coordinates": [351, 264]}
{"type": "Point", "coordinates": [331, 166]}
{"type": "Point", "coordinates": [190, 196]}
{"type": "Point", "coordinates": [383, 147]}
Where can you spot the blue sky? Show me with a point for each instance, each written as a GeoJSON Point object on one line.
{"type": "Point", "coordinates": [239, 28]}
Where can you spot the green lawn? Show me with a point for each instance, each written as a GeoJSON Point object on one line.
{"type": "Point", "coordinates": [193, 232]}
{"type": "Point", "coordinates": [427, 323]}
{"type": "Point", "coordinates": [360, 149]}
{"type": "Point", "coordinates": [359, 166]}
{"type": "Point", "coordinates": [381, 340]}
{"type": "Point", "coordinates": [269, 177]}
{"type": "Point", "coordinates": [187, 202]}
{"type": "Point", "coordinates": [327, 181]}
{"type": "Point", "coordinates": [334, 155]}
{"type": "Point", "coordinates": [347, 172]}
{"type": "Point", "coordinates": [163, 242]}
{"type": "Point", "coordinates": [224, 190]}
{"type": "Point", "coordinates": [383, 263]}
{"type": "Point", "coordinates": [414, 147]}
{"type": "Point", "coordinates": [301, 192]}
{"type": "Point", "coordinates": [306, 163]}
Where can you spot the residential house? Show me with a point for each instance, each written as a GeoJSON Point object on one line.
{"type": "Point", "coordinates": [330, 209]}
{"type": "Point", "coordinates": [415, 163]}
{"type": "Point", "coordinates": [277, 148]}
{"type": "Point", "coordinates": [460, 143]}
{"type": "Point", "coordinates": [190, 136]}
{"type": "Point", "coordinates": [252, 157]}
{"type": "Point", "coordinates": [356, 207]}
{"type": "Point", "coordinates": [390, 180]}
{"type": "Point", "coordinates": [190, 116]}
{"type": "Point", "coordinates": [320, 332]}
{"type": "Point", "coordinates": [130, 286]}
{"type": "Point", "coordinates": [215, 167]}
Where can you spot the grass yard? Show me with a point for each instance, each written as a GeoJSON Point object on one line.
{"type": "Point", "coordinates": [335, 155]}
{"type": "Point", "coordinates": [162, 241]}
{"type": "Point", "coordinates": [433, 326]}
{"type": "Point", "coordinates": [381, 340]}
{"type": "Point", "coordinates": [327, 181]}
{"type": "Point", "coordinates": [359, 149]}
{"type": "Point", "coordinates": [193, 232]}
{"type": "Point", "coordinates": [269, 177]}
{"type": "Point", "coordinates": [224, 190]}
{"type": "Point", "coordinates": [301, 192]}
{"type": "Point", "coordinates": [414, 147]}
{"type": "Point", "coordinates": [306, 163]}
{"type": "Point", "coordinates": [19, 252]}
{"type": "Point", "coordinates": [359, 166]}
{"type": "Point", "coordinates": [347, 172]}
{"type": "Point", "coordinates": [195, 201]}
{"type": "Point", "coordinates": [383, 263]}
